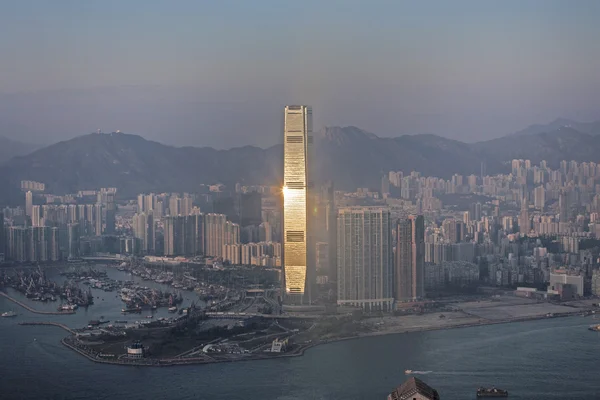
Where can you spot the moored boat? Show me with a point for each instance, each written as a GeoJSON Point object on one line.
{"type": "Point", "coordinates": [9, 314]}
{"type": "Point", "coordinates": [491, 392]}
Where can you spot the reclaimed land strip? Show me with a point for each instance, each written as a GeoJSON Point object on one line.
{"type": "Point", "coordinates": [25, 306]}
{"type": "Point", "coordinates": [483, 322]}
{"type": "Point", "coordinates": [68, 342]}
{"type": "Point", "coordinates": [170, 362]}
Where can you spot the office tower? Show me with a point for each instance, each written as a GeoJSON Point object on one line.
{"type": "Point", "coordinates": [144, 230]}
{"type": "Point", "coordinates": [296, 203]}
{"type": "Point", "coordinates": [159, 209]}
{"type": "Point", "coordinates": [325, 227]}
{"type": "Point", "coordinates": [563, 207]}
{"type": "Point", "coordinates": [184, 235]}
{"type": "Point", "coordinates": [140, 203]}
{"type": "Point", "coordinates": [41, 244]}
{"type": "Point", "coordinates": [539, 198]}
{"type": "Point", "coordinates": [227, 207]}
{"type": "Point", "coordinates": [174, 206]}
{"type": "Point", "coordinates": [98, 219]}
{"type": "Point", "coordinates": [524, 220]}
{"type": "Point", "coordinates": [385, 186]}
{"type": "Point", "coordinates": [54, 251]}
{"type": "Point", "coordinates": [16, 247]}
{"type": "Point", "coordinates": [454, 230]}
{"type": "Point", "coordinates": [265, 232]}
{"type": "Point", "coordinates": [36, 216]}
{"type": "Point", "coordinates": [250, 208]}
{"type": "Point", "coordinates": [71, 213]}
{"type": "Point", "coordinates": [218, 231]}
{"type": "Point", "coordinates": [496, 208]}
{"type": "Point", "coordinates": [174, 236]}
{"type": "Point", "coordinates": [196, 220]}
{"type": "Point", "coordinates": [322, 259]}
{"type": "Point", "coordinates": [186, 205]}
{"type": "Point", "coordinates": [365, 265]}
{"type": "Point", "coordinates": [28, 203]}
{"type": "Point", "coordinates": [111, 211]}
{"type": "Point", "coordinates": [475, 212]}
{"type": "Point", "coordinates": [410, 258]}
{"type": "Point", "coordinates": [169, 233]}
{"type": "Point", "coordinates": [214, 231]}
{"type": "Point", "coordinates": [395, 178]}
{"type": "Point", "coordinates": [73, 238]}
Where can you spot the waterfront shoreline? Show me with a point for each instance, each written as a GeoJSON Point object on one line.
{"type": "Point", "coordinates": [169, 362]}
{"type": "Point", "coordinates": [33, 310]}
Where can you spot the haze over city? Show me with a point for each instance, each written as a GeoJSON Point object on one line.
{"type": "Point", "coordinates": [299, 200]}
{"type": "Point", "coordinates": [217, 73]}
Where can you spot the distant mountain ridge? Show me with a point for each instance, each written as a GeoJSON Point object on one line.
{"type": "Point", "coordinates": [591, 128]}
{"type": "Point", "coordinates": [349, 156]}
{"type": "Point", "coordinates": [10, 148]}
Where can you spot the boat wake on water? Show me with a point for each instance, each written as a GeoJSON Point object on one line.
{"type": "Point", "coordinates": [411, 372]}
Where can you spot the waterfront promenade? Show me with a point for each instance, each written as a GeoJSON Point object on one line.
{"type": "Point", "coordinates": [33, 310]}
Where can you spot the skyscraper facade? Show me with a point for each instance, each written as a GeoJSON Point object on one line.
{"type": "Point", "coordinates": [365, 264]}
{"type": "Point", "coordinates": [28, 203]}
{"type": "Point", "coordinates": [297, 179]}
{"type": "Point", "coordinates": [36, 216]}
{"type": "Point", "coordinates": [144, 230]}
{"type": "Point", "coordinates": [410, 258]}
{"type": "Point", "coordinates": [73, 237]}
{"type": "Point", "coordinates": [250, 208]}
{"type": "Point", "coordinates": [111, 212]}
{"type": "Point", "coordinates": [326, 227]}
{"type": "Point", "coordinates": [524, 219]}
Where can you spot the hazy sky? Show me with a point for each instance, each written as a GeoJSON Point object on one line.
{"type": "Point", "coordinates": [218, 73]}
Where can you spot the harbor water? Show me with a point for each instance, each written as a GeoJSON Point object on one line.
{"type": "Point", "coordinates": [545, 359]}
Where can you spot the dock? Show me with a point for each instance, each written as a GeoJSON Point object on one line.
{"type": "Point", "coordinates": [25, 306]}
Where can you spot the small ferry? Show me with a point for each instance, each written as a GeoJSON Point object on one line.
{"type": "Point", "coordinates": [491, 392]}
{"type": "Point", "coordinates": [408, 371]}
{"type": "Point", "coordinates": [9, 314]}
{"type": "Point", "coordinates": [595, 328]}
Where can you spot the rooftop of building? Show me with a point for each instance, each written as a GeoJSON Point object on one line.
{"type": "Point", "coordinates": [412, 387]}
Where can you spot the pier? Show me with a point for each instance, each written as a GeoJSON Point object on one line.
{"type": "Point", "coordinates": [63, 326]}
{"type": "Point", "coordinates": [25, 306]}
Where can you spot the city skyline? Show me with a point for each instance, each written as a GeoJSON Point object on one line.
{"type": "Point", "coordinates": [432, 187]}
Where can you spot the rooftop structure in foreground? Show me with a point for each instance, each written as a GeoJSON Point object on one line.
{"type": "Point", "coordinates": [414, 389]}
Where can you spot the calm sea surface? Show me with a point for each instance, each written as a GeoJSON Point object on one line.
{"type": "Point", "coordinates": [545, 359]}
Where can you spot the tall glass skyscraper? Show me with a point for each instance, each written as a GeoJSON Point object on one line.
{"type": "Point", "coordinates": [296, 200]}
